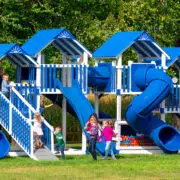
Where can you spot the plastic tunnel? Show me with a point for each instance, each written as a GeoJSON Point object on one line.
{"type": "Point", "coordinates": [4, 145]}
{"type": "Point", "coordinates": [82, 107]}
{"type": "Point", "coordinates": [156, 86]}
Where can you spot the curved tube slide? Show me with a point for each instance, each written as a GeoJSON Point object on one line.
{"type": "Point", "coordinates": [4, 145]}
{"type": "Point", "coordinates": [82, 107]}
{"type": "Point", "coordinates": [156, 86]}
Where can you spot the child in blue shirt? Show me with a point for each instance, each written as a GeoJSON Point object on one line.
{"type": "Point", "coordinates": [5, 87]}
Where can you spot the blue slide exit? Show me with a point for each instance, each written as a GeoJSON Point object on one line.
{"type": "Point", "coordinates": [82, 107]}
{"type": "Point", "coordinates": [156, 86]}
{"type": "Point", "coordinates": [4, 145]}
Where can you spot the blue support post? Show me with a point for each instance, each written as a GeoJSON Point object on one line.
{"type": "Point", "coordinates": [177, 97]}
{"type": "Point", "coordinates": [42, 78]}
{"type": "Point", "coordinates": [124, 78]}
{"type": "Point", "coordinates": [128, 78]}
{"type": "Point", "coordinates": [172, 99]}
{"type": "Point", "coordinates": [50, 78]}
{"type": "Point", "coordinates": [46, 78]}
{"type": "Point", "coordinates": [34, 98]}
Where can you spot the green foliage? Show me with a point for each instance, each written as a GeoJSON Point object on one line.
{"type": "Point", "coordinates": [91, 21]}
{"type": "Point", "coordinates": [172, 71]}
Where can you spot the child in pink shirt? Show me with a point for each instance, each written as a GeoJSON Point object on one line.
{"type": "Point", "coordinates": [108, 133]}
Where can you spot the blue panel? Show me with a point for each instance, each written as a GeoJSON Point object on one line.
{"type": "Point", "coordinates": [117, 44]}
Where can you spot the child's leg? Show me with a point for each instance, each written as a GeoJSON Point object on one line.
{"type": "Point", "coordinates": [56, 147]}
{"type": "Point", "coordinates": [90, 146]}
{"type": "Point", "coordinates": [62, 152]}
{"type": "Point", "coordinates": [107, 148]}
{"type": "Point", "coordinates": [112, 153]}
{"type": "Point", "coordinates": [40, 142]}
{"type": "Point", "coordinates": [94, 149]}
{"type": "Point", "coordinates": [37, 140]}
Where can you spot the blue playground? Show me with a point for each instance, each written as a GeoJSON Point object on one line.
{"type": "Point", "coordinates": [69, 83]}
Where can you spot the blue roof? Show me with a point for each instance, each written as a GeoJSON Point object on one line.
{"type": "Point", "coordinates": [16, 55]}
{"type": "Point", "coordinates": [4, 48]}
{"type": "Point", "coordinates": [139, 41]}
{"type": "Point", "coordinates": [60, 38]}
{"type": "Point", "coordinates": [174, 53]}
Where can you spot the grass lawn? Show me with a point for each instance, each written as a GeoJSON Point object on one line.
{"type": "Point", "coordinates": [82, 167]}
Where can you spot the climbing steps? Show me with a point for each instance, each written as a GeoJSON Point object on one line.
{"type": "Point", "coordinates": [16, 118]}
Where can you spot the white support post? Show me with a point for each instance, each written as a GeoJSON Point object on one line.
{"type": "Point", "coordinates": [84, 140]}
{"type": "Point", "coordinates": [96, 104]}
{"type": "Point", "coordinates": [38, 71]}
{"type": "Point", "coordinates": [130, 83]}
{"type": "Point", "coordinates": [85, 58]}
{"type": "Point", "coordinates": [118, 110]}
{"type": "Point", "coordinates": [163, 115]}
{"type": "Point", "coordinates": [64, 100]}
{"type": "Point", "coordinates": [38, 79]}
{"type": "Point", "coordinates": [163, 61]}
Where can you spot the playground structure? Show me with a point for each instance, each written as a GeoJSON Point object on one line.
{"type": "Point", "coordinates": [67, 84]}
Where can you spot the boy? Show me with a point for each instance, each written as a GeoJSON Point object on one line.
{"type": "Point", "coordinates": [60, 142]}
{"type": "Point", "coordinates": [5, 87]}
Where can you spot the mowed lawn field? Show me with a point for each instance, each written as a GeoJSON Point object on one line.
{"type": "Point", "coordinates": [83, 167]}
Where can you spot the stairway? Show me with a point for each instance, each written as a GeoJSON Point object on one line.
{"type": "Point", "coordinates": [16, 118]}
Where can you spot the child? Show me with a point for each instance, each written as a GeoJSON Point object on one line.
{"type": "Point", "coordinates": [93, 131]}
{"type": "Point", "coordinates": [60, 142]}
{"type": "Point", "coordinates": [38, 132]}
{"type": "Point", "coordinates": [5, 87]}
{"type": "Point", "coordinates": [90, 122]}
{"type": "Point", "coordinates": [108, 133]}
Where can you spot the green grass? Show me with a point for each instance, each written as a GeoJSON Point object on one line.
{"type": "Point", "coordinates": [83, 167]}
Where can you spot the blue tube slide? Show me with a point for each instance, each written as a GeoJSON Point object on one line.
{"type": "Point", "coordinates": [4, 145]}
{"type": "Point", "coordinates": [82, 107]}
{"type": "Point", "coordinates": [156, 86]}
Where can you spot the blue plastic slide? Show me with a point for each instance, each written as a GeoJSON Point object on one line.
{"type": "Point", "coordinates": [82, 107]}
{"type": "Point", "coordinates": [156, 86]}
{"type": "Point", "coordinates": [4, 145]}
{"type": "Point", "coordinates": [57, 99]}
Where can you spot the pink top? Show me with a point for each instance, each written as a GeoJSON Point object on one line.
{"type": "Point", "coordinates": [108, 133]}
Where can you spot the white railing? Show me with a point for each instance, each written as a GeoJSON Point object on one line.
{"type": "Point", "coordinates": [66, 73]}
{"type": "Point", "coordinates": [16, 125]}
{"type": "Point", "coordinates": [23, 106]}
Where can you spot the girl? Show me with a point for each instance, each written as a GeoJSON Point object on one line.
{"type": "Point", "coordinates": [93, 132]}
{"type": "Point", "coordinates": [38, 132]}
{"type": "Point", "coordinates": [108, 133]}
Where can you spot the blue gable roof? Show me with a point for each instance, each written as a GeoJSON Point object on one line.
{"type": "Point", "coordinates": [16, 55]}
{"type": "Point", "coordinates": [174, 53]}
{"type": "Point", "coordinates": [60, 38]}
{"type": "Point", "coordinates": [4, 48]}
{"type": "Point", "coordinates": [139, 41]}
